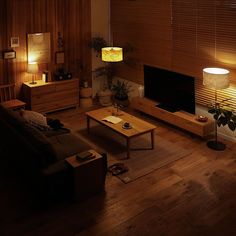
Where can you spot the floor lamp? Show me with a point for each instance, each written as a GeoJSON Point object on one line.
{"type": "Point", "coordinates": [217, 79]}
{"type": "Point", "coordinates": [111, 54]}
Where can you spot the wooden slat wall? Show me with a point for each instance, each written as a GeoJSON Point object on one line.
{"type": "Point", "coordinates": [182, 35]}
{"type": "Point", "coordinates": [146, 26]}
{"type": "Point", "coordinates": [20, 17]}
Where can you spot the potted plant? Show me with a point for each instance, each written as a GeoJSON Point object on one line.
{"type": "Point", "coordinates": [97, 43]}
{"type": "Point", "coordinates": [121, 90]}
{"type": "Point", "coordinates": [223, 115]}
{"type": "Point", "coordinates": [105, 94]}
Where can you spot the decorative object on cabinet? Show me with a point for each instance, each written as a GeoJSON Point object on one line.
{"type": "Point", "coordinates": [62, 74]}
{"type": "Point", "coordinates": [217, 79]}
{"type": "Point", "coordinates": [45, 76]}
{"type": "Point", "coordinates": [8, 97]}
{"type": "Point", "coordinates": [51, 96]}
{"type": "Point", "coordinates": [33, 69]}
{"type": "Point", "coordinates": [39, 47]}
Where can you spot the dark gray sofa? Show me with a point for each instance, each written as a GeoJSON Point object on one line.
{"type": "Point", "coordinates": [36, 158]}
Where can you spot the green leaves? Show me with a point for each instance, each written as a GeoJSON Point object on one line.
{"type": "Point", "coordinates": [121, 89]}
{"type": "Point", "coordinates": [97, 43]}
{"type": "Point", "coordinates": [223, 117]}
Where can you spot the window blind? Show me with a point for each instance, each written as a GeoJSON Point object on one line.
{"type": "Point", "coordinates": [204, 35]}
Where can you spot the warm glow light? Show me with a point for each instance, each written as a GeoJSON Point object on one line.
{"type": "Point", "coordinates": [216, 78]}
{"type": "Point", "coordinates": [112, 54]}
{"type": "Point", "coordinates": [32, 68]}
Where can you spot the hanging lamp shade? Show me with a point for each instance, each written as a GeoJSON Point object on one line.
{"type": "Point", "coordinates": [112, 54]}
{"type": "Point", "coordinates": [216, 78]}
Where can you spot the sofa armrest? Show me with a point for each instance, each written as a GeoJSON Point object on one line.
{"type": "Point", "coordinates": [55, 168]}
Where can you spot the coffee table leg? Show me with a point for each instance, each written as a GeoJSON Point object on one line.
{"type": "Point", "coordinates": [152, 138]}
{"type": "Point", "coordinates": [88, 124]}
{"type": "Point", "coordinates": [128, 147]}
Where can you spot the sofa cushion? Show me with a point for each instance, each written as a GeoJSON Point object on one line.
{"type": "Point", "coordinates": [32, 135]}
{"type": "Point", "coordinates": [36, 119]}
{"type": "Point", "coordinates": [67, 145]}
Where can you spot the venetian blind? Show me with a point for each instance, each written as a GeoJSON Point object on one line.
{"type": "Point", "coordinates": [204, 35]}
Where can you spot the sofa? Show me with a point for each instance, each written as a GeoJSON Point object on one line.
{"type": "Point", "coordinates": [38, 156]}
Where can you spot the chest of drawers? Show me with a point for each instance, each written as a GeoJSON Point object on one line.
{"type": "Point", "coordinates": [51, 96]}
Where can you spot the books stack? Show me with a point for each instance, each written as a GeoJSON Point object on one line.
{"type": "Point", "coordinates": [85, 156]}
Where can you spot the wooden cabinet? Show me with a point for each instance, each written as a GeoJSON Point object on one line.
{"type": "Point", "coordinates": [180, 119]}
{"type": "Point", "coordinates": [51, 96]}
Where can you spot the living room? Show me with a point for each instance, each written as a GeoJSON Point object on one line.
{"type": "Point", "coordinates": [174, 182]}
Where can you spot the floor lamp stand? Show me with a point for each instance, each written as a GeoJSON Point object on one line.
{"type": "Point", "coordinates": [215, 144]}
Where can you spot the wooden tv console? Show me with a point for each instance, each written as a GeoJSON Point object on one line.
{"type": "Point", "coordinates": [181, 119]}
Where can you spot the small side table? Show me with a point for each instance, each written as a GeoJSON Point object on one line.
{"type": "Point", "coordinates": [88, 176]}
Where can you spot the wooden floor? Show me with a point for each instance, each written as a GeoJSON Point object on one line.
{"type": "Point", "coordinates": [193, 196]}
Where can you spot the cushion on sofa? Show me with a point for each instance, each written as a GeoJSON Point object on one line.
{"type": "Point", "coordinates": [34, 137]}
{"type": "Point", "coordinates": [36, 119]}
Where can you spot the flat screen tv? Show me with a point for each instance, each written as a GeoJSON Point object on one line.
{"type": "Point", "coordinates": [171, 90]}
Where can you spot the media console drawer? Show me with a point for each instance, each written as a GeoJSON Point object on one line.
{"type": "Point", "coordinates": [180, 119]}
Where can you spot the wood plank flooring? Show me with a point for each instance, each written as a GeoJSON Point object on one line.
{"type": "Point", "coordinates": [193, 196]}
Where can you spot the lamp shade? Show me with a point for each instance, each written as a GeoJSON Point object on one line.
{"type": "Point", "coordinates": [216, 78]}
{"type": "Point", "coordinates": [112, 54]}
{"type": "Point", "coordinates": [32, 68]}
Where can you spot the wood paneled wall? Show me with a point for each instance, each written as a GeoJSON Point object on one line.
{"type": "Point", "coordinates": [71, 18]}
{"type": "Point", "coordinates": [179, 35]}
{"type": "Point", "coordinates": [145, 25]}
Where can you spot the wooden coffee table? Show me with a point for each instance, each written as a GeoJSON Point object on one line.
{"type": "Point", "coordinates": [139, 126]}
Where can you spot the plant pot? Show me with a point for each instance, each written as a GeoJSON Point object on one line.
{"type": "Point", "coordinates": [104, 97]}
{"type": "Point", "coordinates": [121, 101]}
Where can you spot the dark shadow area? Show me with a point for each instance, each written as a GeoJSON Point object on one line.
{"type": "Point", "coordinates": [25, 211]}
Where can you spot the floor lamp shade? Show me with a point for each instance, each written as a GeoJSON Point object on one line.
{"type": "Point", "coordinates": [216, 78]}
{"type": "Point", "coordinates": [112, 54]}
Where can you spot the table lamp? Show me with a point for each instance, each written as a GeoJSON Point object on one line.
{"type": "Point", "coordinates": [217, 79]}
{"type": "Point", "coordinates": [33, 69]}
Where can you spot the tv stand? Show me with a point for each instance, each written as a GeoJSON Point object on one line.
{"type": "Point", "coordinates": [180, 119]}
{"type": "Point", "coordinates": [167, 107]}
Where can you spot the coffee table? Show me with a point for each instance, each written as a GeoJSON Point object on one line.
{"type": "Point", "coordinates": [139, 126]}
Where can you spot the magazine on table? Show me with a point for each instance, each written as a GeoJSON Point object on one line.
{"type": "Point", "coordinates": [112, 119]}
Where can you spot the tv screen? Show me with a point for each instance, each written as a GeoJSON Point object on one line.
{"type": "Point", "coordinates": [171, 90]}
